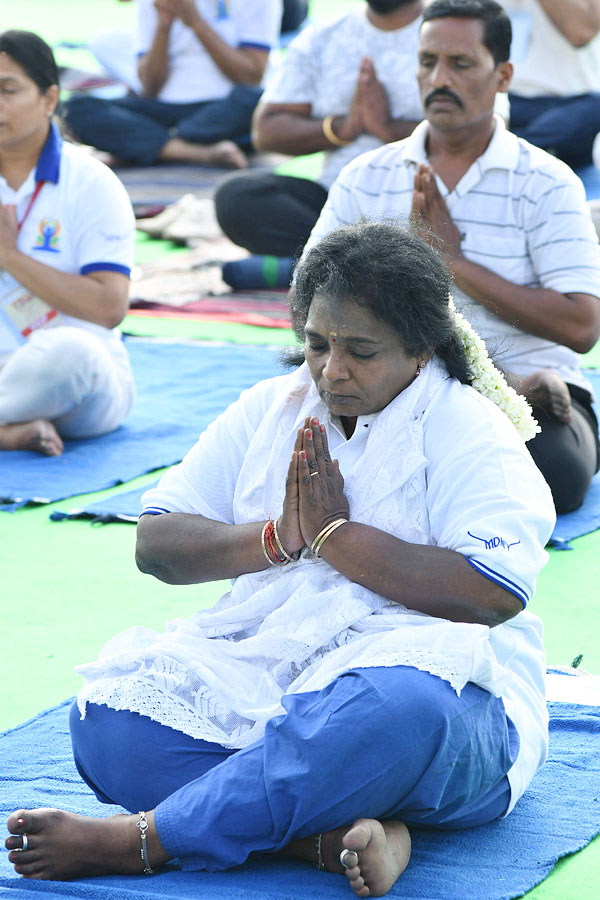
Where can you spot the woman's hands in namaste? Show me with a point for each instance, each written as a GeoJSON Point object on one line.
{"type": "Point", "coordinates": [314, 489]}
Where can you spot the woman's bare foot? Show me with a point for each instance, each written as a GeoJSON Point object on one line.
{"type": "Point", "coordinates": [381, 850]}
{"type": "Point", "coordinates": [547, 390]}
{"type": "Point", "coordinates": [380, 854]}
{"type": "Point", "coordinates": [62, 845]}
{"type": "Point", "coordinates": [39, 435]}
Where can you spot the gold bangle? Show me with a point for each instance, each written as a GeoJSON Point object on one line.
{"type": "Point", "coordinates": [330, 134]}
{"type": "Point", "coordinates": [290, 557]}
{"type": "Point", "coordinates": [324, 534]}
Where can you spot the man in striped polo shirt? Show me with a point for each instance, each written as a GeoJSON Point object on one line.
{"type": "Point", "coordinates": [513, 224]}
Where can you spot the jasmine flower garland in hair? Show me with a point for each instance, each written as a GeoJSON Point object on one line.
{"type": "Point", "coordinates": [489, 382]}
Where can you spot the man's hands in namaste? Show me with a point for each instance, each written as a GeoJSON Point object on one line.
{"type": "Point", "coordinates": [429, 206]}
{"type": "Point", "coordinates": [369, 111]}
{"type": "Point", "coordinates": [314, 489]}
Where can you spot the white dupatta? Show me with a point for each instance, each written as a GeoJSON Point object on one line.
{"type": "Point", "coordinates": [220, 674]}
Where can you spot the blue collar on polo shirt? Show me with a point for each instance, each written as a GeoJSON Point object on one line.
{"type": "Point", "coordinates": [48, 167]}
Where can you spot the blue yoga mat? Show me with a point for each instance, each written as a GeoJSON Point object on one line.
{"type": "Point", "coordinates": [182, 387]}
{"type": "Point", "coordinates": [559, 814]}
{"type": "Point", "coordinates": [122, 507]}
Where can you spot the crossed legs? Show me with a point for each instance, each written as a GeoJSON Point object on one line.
{"type": "Point", "coordinates": [313, 773]}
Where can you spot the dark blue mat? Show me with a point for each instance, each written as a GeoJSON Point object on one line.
{"type": "Point", "coordinates": [587, 518]}
{"type": "Point", "coordinates": [559, 814]}
{"type": "Point", "coordinates": [182, 387]}
{"type": "Point", "coordinates": [122, 507]}
{"type": "Point", "coordinates": [591, 181]}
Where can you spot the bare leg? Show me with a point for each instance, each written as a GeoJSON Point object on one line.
{"type": "Point", "coordinates": [223, 153]}
{"type": "Point", "coordinates": [381, 851]}
{"type": "Point", "coordinates": [39, 435]}
{"type": "Point", "coordinates": [547, 390]}
{"type": "Point", "coordinates": [62, 845]}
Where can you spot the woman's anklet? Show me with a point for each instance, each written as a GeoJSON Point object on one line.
{"type": "Point", "coordinates": [142, 824]}
{"type": "Point", "coordinates": [318, 844]}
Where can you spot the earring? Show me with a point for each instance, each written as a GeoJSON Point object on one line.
{"type": "Point", "coordinates": [420, 366]}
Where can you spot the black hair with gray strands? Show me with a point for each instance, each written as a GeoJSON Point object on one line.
{"type": "Point", "coordinates": [34, 56]}
{"type": "Point", "coordinates": [497, 30]}
{"type": "Point", "coordinates": [396, 276]}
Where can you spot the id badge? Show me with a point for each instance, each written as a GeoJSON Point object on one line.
{"type": "Point", "coordinates": [21, 313]}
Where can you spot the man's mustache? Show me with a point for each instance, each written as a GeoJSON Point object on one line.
{"type": "Point", "coordinates": [443, 92]}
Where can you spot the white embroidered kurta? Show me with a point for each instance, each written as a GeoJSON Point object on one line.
{"type": "Point", "coordinates": [440, 465]}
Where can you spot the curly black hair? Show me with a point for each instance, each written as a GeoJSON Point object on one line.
{"type": "Point", "coordinates": [394, 274]}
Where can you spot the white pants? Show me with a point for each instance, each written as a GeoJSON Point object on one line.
{"type": "Point", "coordinates": [71, 377]}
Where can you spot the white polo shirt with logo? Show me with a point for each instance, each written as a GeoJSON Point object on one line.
{"type": "Point", "coordinates": [521, 213]}
{"type": "Point", "coordinates": [193, 75]}
{"type": "Point", "coordinates": [81, 221]}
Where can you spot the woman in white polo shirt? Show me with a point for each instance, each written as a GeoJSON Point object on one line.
{"type": "Point", "coordinates": [66, 247]}
{"type": "Point", "coordinates": [373, 665]}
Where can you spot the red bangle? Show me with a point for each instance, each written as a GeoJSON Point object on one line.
{"type": "Point", "coordinates": [268, 545]}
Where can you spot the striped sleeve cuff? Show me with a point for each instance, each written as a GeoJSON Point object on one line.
{"type": "Point", "coordinates": [500, 579]}
{"type": "Point", "coordinates": [105, 267]}
{"type": "Point", "coordinates": [153, 511]}
{"type": "Point", "coordinates": [253, 45]}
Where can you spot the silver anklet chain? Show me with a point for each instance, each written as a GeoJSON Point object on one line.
{"type": "Point", "coordinates": [142, 824]}
{"type": "Point", "coordinates": [318, 844]}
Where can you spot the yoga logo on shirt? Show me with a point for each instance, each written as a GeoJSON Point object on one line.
{"type": "Point", "coordinates": [47, 237]}
{"type": "Point", "coordinates": [492, 543]}
{"type": "Point", "coordinates": [222, 10]}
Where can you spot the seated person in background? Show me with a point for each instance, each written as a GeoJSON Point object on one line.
{"type": "Point", "coordinates": [383, 594]}
{"type": "Point", "coordinates": [294, 14]}
{"type": "Point", "coordinates": [555, 93]}
{"type": "Point", "coordinates": [345, 87]}
{"type": "Point", "coordinates": [200, 65]}
{"type": "Point", "coordinates": [513, 223]}
{"type": "Point", "coordinates": [114, 47]}
{"type": "Point", "coordinates": [66, 250]}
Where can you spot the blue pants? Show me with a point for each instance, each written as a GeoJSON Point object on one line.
{"type": "Point", "coordinates": [564, 126]}
{"type": "Point", "coordinates": [137, 128]}
{"type": "Point", "coordinates": [387, 743]}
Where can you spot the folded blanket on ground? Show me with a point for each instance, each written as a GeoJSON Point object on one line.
{"type": "Point", "coordinates": [264, 308]}
{"type": "Point", "coordinates": [559, 814]}
{"type": "Point", "coordinates": [182, 387]}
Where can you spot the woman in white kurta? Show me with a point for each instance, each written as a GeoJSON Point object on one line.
{"type": "Point", "coordinates": [66, 250]}
{"type": "Point", "coordinates": [373, 665]}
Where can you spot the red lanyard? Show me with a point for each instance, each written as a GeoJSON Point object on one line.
{"type": "Point", "coordinates": [38, 187]}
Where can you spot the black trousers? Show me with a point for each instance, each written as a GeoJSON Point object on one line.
{"type": "Point", "coordinates": [294, 14]}
{"type": "Point", "coordinates": [268, 213]}
{"type": "Point", "coordinates": [568, 455]}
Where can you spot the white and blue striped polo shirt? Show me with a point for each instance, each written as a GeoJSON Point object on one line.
{"type": "Point", "coordinates": [522, 214]}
